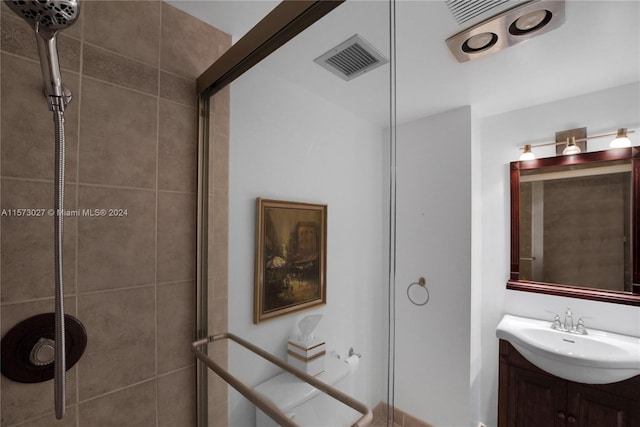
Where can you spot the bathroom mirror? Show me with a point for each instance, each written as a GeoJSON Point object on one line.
{"type": "Point", "coordinates": [574, 226]}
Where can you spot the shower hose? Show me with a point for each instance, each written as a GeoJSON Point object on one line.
{"type": "Point", "coordinates": [58, 218]}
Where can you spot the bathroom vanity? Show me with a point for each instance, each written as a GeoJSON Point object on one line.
{"type": "Point", "coordinates": [531, 397]}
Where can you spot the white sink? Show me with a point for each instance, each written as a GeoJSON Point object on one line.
{"type": "Point", "coordinates": [597, 358]}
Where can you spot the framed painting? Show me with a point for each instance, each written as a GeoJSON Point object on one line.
{"type": "Point", "coordinates": [291, 253]}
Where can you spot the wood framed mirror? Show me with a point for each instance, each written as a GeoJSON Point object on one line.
{"type": "Point", "coordinates": [575, 229]}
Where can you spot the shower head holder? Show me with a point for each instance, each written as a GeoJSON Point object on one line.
{"type": "Point", "coordinates": [47, 17]}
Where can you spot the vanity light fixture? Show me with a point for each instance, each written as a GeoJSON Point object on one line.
{"type": "Point", "coordinates": [621, 141]}
{"type": "Point", "coordinates": [508, 28]}
{"type": "Point", "coordinates": [571, 147]}
{"type": "Point", "coordinates": [527, 154]}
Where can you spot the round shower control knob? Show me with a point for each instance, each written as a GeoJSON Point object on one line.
{"type": "Point", "coordinates": [43, 352]}
{"type": "Point", "coordinates": [27, 350]}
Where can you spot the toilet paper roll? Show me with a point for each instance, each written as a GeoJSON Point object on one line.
{"type": "Point", "coordinates": [353, 362]}
{"type": "Point", "coordinates": [353, 383]}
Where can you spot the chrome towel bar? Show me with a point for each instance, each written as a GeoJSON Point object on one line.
{"type": "Point", "coordinates": [264, 404]}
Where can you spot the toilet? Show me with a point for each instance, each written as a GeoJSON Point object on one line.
{"type": "Point", "coordinates": [304, 404]}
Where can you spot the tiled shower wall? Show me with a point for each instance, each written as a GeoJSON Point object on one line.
{"type": "Point", "coordinates": [131, 145]}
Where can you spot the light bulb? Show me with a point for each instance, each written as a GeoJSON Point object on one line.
{"type": "Point", "coordinates": [531, 20]}
{"type": "Point", "coordinates": [621, 140]}
{"type": "Point", "coordinates": [571, 149]}
{"type": "Point", "coordinates": [479, 42]}
{"type": "Point", "coordinates": [527, 154]}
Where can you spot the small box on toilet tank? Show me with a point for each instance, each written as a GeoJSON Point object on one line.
{"type": "Point", "coordinates": [307, 352]}
{"type": "Point", "coordinates": [308, 356]}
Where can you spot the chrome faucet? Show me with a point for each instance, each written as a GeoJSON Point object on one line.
{"type": "Point", "coordinates": [568, 325]}
{"type": "Point", "coordinates": [580, 329]}
{"type": "Point", "coordinates": [568, 320]}
{"type": "Point", "coordinates": [556, 323]}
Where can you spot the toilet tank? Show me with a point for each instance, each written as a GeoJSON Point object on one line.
{"type": "Point", "coordinates": [306, 405]}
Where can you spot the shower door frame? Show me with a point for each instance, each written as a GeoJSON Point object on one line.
{"type": "Point", "coordinates": [282, 24]}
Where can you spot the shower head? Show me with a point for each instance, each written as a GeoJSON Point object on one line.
{"type": "Point", "coordinates": [47, 17]}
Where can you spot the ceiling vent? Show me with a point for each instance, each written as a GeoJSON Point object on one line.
{"type": "Point", "coordinates": [465, 10]}
{"type": "Point", "coordinates": [351, 58]}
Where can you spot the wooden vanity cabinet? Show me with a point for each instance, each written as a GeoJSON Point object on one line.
{"type": "Point", "coordinates": [531, 397]}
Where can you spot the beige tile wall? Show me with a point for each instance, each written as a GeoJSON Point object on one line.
{"type": "Point", "coordinates": [131, 144]}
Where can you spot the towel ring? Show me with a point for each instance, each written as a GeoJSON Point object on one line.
{"type": "Point", "coordinates": [423, 284]}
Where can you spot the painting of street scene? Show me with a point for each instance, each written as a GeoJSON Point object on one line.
{"type": "Point", "coordinates": [290, 257]}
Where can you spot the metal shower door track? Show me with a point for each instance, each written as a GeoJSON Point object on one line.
{"type": "Point", "coordinates": [263, 404]}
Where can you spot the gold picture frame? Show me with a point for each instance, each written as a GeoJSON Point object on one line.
{"type": "Point", "coordinates": [291, 253]}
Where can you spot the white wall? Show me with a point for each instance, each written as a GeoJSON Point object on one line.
{"type": "Point", "coordinates": [289, 144]}
{"type": "Point", "coordinates": [600, 112]}
{"type": "Point", "coordinates": [446, 351]}
{"type": "Point", "coordinates": [433, 222]}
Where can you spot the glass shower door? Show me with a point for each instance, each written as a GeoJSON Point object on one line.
{"type": "Point", "coordinates": [292, 130]}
